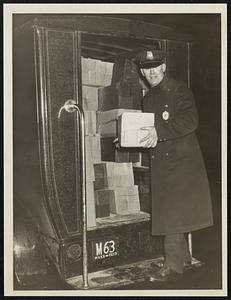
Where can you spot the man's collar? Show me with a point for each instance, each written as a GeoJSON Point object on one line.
{"type": "Point", "coordinates": [162, 83]}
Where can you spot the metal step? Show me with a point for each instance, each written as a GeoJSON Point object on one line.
{"type": "Point", "coordinates": [123, 275]}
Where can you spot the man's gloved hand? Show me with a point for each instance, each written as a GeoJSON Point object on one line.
{"type": "Point", "coordinates": [151, 137]}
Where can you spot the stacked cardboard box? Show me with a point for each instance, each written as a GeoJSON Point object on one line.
{"type": "Point", "coordinates": [110, 153]}
{"type": "Point", "coordinates": [108, 128]}
{"type": "Point", "coordinates": [114, 185]}
{"type": "Point", "coordinates": [95, 74]}
{"type": "Point", "coordinates": [93, 155]}
{"type": "Point", "coordinates": [124, 200]}
{"type": "Point", "coordinates": [102, 204]}
{"type": "Point", "coordinates": [125, 95]}
{"type": "Point", "coordinates": [121, 201]}
{"type": "Point", "coordinates": [113, 182]}
{"type": "Point", "coordinates": [90, 199]}
{"type": "Point", "coordinates": [90, 122]}
{"type": "Point", "coordinates": [142, 180]}
{"type": "Point", "coordinates": [93, 147]}
{"type": "Point", "coordinates": [125, 90]}
{"type": "Point", "coordinates": [124, 69]}
{"type": "Point", "coordinates": [130, 128]}
{"type": "Point", "coordinates": [90, 98]}
{"type": "Point", "coordinates": [107, 121]}
{"type": "Point", "coordinates": [109, 175]}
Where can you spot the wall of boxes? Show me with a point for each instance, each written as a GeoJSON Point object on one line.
{"type": "Point", "coordinates": [108, 90]}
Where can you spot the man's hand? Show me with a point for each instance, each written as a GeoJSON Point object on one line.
{"type": "Point", "coordinates": [151, 137]}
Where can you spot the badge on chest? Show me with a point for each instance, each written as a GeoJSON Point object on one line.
{"type": "Point", "coordinates": [165, 115]}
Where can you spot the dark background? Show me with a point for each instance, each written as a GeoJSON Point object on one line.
{"type": "Point", "coordinates": [206, 85]}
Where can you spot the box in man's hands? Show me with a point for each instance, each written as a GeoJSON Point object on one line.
{"type": "Point", "coordinates": [130, 126]}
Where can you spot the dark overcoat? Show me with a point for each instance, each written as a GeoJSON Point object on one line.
{"type": "Point", "coordinates": [180, 191]}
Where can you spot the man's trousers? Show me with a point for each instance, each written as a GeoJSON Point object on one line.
{"type": "Point", "coordinates": [176, 252]}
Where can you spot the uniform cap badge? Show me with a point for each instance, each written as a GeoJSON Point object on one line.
{"type": "Point", "coordinates": [165, 115]}
{"type": "Point", "coordinates": [149, 55]}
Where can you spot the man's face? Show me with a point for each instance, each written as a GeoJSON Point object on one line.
{"type": "Point", "coordinates": [154, 75]}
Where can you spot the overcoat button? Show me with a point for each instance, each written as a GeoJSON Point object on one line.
{"type": "Point", "coordinates": [153, 156]}
{"type": "Point", "coordinates": [167, 154]}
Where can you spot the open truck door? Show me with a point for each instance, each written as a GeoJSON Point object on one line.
{"type": "Point", "coordinates": [65, 63]}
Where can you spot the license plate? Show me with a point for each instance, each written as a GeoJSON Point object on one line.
{"type": "Point", "coordinates": [105, 248]}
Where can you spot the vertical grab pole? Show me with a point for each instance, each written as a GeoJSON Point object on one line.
{"type": "Point", "coordinates": [189, 85]}
{"type": "Point", "coordinates": [70, 106]}
{"type": "Point", "coordinates": [83, 188]}
{"type": "Point", "coordinates": [190, 243]}
{"type": "Point", "coordinates": [78, 107]}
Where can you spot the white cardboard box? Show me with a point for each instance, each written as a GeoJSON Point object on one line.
{"type": "Point", "coordinates": [129, 128]}
{"type": "Point", "coordinates": [110, 175]}
{"type": "Point", "coordinates": [90, 97]}
{"type": "Point", "coordinates": [93, 148]}
{"type": "Point", "coordinates": [107, 121]}
{"type": "Point", "coordinates": [124, 200]}
{"type": "Point", "coordinates": [96, 72]}
{"type": "Point", "coordinates": [90, 122]}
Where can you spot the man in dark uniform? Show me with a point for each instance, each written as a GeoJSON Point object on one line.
{"type": "Point", "coordinates": [180, 191]}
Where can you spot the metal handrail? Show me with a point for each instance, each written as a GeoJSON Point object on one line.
{"type": "Point", "coordinates": [71, 106]}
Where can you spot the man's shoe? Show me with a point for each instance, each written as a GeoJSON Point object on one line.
{"type": "Point", "coordinates": [157, 265]}
{"type": "Point", "coordinates": [165, 274]}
